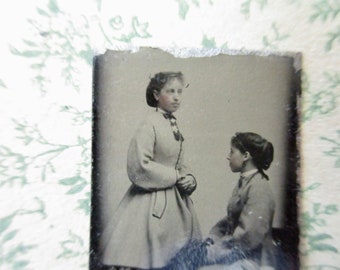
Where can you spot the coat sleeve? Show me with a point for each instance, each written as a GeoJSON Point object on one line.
{"type": "Point", "coordinates": [142, 170]}
{"type": "Point", "coordinates": [182, 166]}
{"type": "Point", "coordinates": [185, 170]}
{"type": "Point", "coordinates": [255, 220]}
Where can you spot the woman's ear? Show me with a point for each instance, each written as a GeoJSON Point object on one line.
{"type": "Point", "coordinates": [156, 95]}
{"type": "Point", "coordinates": [247, 156]}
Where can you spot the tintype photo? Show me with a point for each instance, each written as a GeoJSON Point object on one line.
{"type": "Point", "coordinates": [195, 161]}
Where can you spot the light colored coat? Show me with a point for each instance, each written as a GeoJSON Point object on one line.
{"type": "Point", "coordinates": [154, 220]}
{"type": "Point", "coordinates": [248, 225]}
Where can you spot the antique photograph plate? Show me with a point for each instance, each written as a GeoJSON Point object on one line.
{"type": "Point", "coordinates": [223, 94]}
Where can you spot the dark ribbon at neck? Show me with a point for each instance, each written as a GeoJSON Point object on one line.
{"type": "Point", "coordinates": [240, 181]}
{"type": "Point", "coordinates": [169, 116]}
{"type": "Point", "coordinates": [177, 134]}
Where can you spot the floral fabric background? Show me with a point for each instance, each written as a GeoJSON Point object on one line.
{"type": "Point", "coordinates": [45, 106]}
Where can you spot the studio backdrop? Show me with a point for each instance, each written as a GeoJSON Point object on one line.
{"type": "Point", "coordinates": [226, 94]}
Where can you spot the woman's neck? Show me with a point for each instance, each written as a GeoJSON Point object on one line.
{"type": "Point", "coordinates": [248, 173]}
{"type": "Point", "coordinates": [249, 166]}
{"type": "Point", "coordinates": [162, 110]}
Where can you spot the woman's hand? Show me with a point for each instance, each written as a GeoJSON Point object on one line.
{"type": "Point", "coordinates": [216, 250]}
{"type": "Point", "coordinates": [209, 241]}
{"type": "Point", "coordinates": [186, 184]}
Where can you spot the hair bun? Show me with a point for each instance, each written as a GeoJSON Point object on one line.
{"type": "Point", "coordinates": [261, 150]}
{"type": "Point", "coordinates": [268, 155]}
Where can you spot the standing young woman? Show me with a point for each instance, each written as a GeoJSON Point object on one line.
{"type": "Point", "coordinates": [156, 217]}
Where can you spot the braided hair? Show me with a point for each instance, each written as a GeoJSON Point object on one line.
{"type": "Point", "coordinates": [261, 150]}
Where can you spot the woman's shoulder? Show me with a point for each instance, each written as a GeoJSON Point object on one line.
{"type": "Point", "coordinates": [259, 189]}
{"type": "Point", "coordinates": [147, 125]}
{"type": "Point", "coordinates": [260, 182]}
{"type": "Point", "coordinates": [153, 118]}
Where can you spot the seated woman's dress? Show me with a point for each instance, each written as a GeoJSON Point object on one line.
{"type": "Point", "coordinates": [243, 239]}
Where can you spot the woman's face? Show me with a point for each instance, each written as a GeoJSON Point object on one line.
{"type": "Point", "coordinates": [170, 96]}
{"type": "Point", "coordinates": [236, 159]}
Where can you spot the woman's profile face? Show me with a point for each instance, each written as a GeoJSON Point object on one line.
{"type": "Point", "coordinates": [236, 159]}
{"type": "Point", "coordinates": [170, 96]}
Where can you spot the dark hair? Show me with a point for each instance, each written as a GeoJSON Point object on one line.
{"type": "Point", "coordinates": [157, 83]}
{"type": "Point", "coordinates": [261, 150]}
